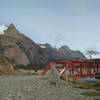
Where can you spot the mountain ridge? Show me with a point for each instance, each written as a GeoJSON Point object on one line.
{"type": "Point", "coordinates": [21, 50]}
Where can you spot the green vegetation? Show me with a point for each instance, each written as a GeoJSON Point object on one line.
{"type": "Point", "coordinates": [35, 73]}
{"type": "Point", "coordinates": [83, 85]}
{"type": "Point", "coordinates": [97, 85]}
{"type": "Point", "coordinates": [96, 99]}
{"type": "Point", "coordinates": [30, 67]}
{"type": "Point", "coordinates": [91, 93]}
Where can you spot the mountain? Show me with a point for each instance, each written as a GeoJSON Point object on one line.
{"type": "Point", "coordinates": [50, 51]}
{"type": "Point", "coordinates": [63, 53]}
{"type": "Point", "coordinates": [66, 53]}
{"type": "Point", "coordinates": [22, 51]}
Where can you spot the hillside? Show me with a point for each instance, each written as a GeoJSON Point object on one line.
{"type": "Point", "coordinates": [6, 67]}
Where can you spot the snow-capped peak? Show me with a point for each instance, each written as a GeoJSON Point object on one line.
{"type": "Point", "coordinates": [3, 28]}
{"type": "Point", "coordinates": [43, 46]}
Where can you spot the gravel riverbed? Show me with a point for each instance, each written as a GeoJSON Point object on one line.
{"type": "Point", "coordinates": [38, 88]}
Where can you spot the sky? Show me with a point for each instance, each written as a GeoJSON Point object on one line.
{"type": "Point", "coordinates": [75, 23]}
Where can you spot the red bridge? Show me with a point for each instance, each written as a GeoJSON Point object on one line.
{"type": "Point", "coordinates": [74, 69]}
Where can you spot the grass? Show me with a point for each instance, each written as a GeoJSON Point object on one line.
{"type": "Point", "coordinates": [84, 85]}
{"type": "Point", "coordinates": [35, 73]}
{"type": "Point", "coordinates": [81, 87]}
{"type": "Point", "coordinates": [96, 99]}
{"type": "Point", "coordinates": [32, 67]}
{"type": "Point", "coordinates": [91, 93]}
{"type": "Point", "coordinates": [97, 85]}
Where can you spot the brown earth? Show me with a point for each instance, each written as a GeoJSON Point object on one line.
{"type": "Point", "coordinates": [6, 67]}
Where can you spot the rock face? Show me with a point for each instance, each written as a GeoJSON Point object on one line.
{"type": "Point", "coordinates": [21, 50]}
{"type": "Point", "coordinates": [6, 67]}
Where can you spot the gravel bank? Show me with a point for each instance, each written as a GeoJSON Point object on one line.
{"type": "Point", "coordinates": [37, 88]}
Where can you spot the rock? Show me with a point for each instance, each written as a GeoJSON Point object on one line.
{"type": "Point", "coordinates": [6, 67]}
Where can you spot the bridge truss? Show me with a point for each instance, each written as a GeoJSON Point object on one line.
{"type": "Point", "coordinates": [74, 69]}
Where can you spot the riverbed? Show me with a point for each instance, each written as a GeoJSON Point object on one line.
{"type": "Point", "coordinates": [37, 88]}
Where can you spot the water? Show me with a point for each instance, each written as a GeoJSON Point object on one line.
{"type": "Point", "coordinates": [90, 80]}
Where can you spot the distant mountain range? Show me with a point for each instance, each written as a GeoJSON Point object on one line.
{"type": "Point", "coordinates": [22, 51]}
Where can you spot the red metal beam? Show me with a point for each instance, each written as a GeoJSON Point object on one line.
{"type": "Point", "coordinates": [76, 69]}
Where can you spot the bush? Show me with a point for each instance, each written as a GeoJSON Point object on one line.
{"type": "Point", "coordinates": [97, 85]}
